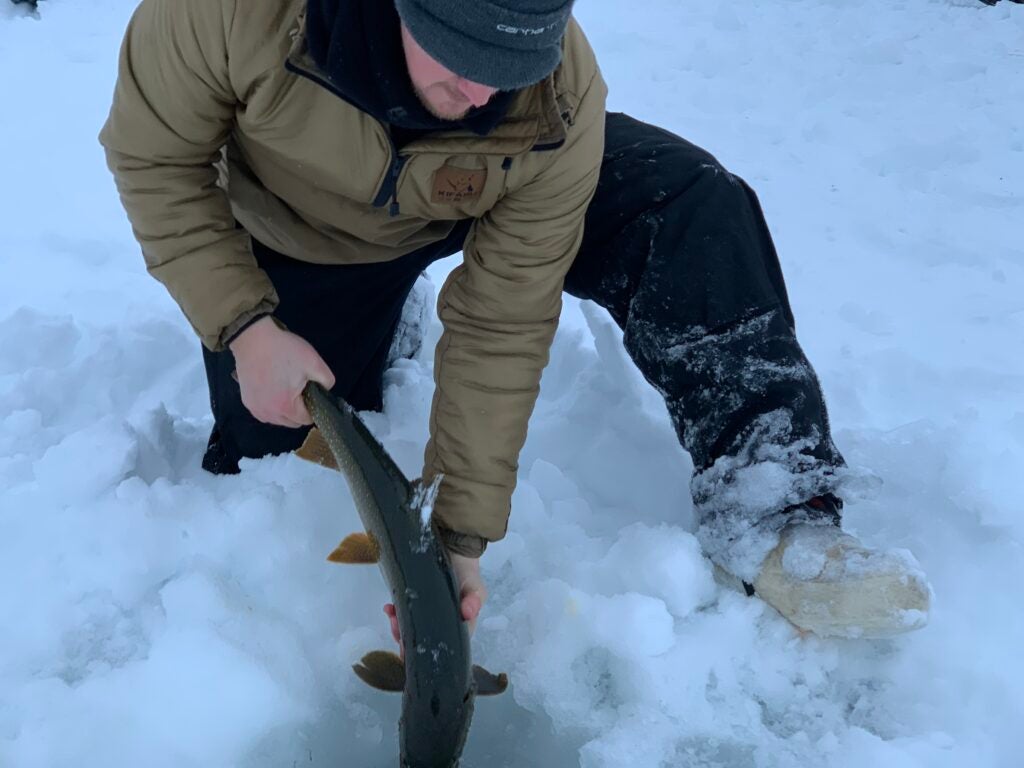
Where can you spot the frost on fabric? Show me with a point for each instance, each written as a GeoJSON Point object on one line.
{"type": "Point", "coordinates": [747, 391]}
{"type": "Point", "coordinates": [740, 498]}
{"type": "Point", "coordinates": [718, 170]}
{"type": "Point", "coordinates": [708, 376]}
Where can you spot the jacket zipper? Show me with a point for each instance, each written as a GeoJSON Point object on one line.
{"type": "Point", "coordinates": [389, 189]}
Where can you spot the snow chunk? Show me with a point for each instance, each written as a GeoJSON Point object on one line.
{"type": "Point", "coordinates": [87, 462]}
{"type": "Point", "coordinates": [550, 483]}
{"type": "Point", "coordinates": [631, 625]}
{"type": "Point", "coordinates": [664, 562]}
{"type": "Point", "coordinates": [30, 339]}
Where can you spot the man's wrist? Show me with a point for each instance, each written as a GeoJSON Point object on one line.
{"type": "Point", "coordinates": [237, 332]}
{"type": "Point", "coordinates": [257, 320]}
{"type": "Point", "coordinates": [242, 321]}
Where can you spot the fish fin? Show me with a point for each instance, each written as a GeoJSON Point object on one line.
{"type": "Point", "coordinates": [356, 549]}
{"type": "Point", "coordinates": [315, 449]}
{"type": "Point", "coordinates": [382, 670]}
{"type": "Point", "coordinates": [488, 683]}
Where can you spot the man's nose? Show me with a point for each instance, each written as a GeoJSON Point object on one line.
{"type": "Point", "coordinates": [475, 93]}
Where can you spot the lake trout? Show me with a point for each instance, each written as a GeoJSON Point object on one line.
{"type": "Point", "coordinates": [437, 679]}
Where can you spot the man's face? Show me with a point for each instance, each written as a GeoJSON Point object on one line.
{"type": "Point", "coordinates": [443, 93]}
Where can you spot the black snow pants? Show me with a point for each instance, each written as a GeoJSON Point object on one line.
{"type": "Point", "coordinates": [677, 250]}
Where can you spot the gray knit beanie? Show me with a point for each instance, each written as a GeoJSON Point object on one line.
{"type": "Point", "coordinates": [505, 44]}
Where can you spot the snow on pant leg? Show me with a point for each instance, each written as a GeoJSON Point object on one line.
{"type": "Point", "coordinates": [677, 250]}
{"type": "Point", "coordinates": [349, 313]}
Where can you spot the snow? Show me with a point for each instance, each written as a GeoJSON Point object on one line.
{"type": "Point", "coordinates": [156, 615]}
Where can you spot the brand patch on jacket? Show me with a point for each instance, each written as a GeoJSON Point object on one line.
{"type": "Point", "coordinates": [453, 185]}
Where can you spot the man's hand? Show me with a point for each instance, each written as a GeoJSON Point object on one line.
{"type": "Point", "coordinates": [273, 368]}
{"type": "Point", "coordinates": [472, 593]}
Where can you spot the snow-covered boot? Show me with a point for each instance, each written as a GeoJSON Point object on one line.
{"type": "Point", "coordinates": [826, 581]}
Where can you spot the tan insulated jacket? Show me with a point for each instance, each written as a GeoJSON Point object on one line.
{"type": "Point", "coordinates": [219, 114]}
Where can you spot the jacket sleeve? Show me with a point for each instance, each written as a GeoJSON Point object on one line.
{"type": "Point", "coordinates": [499, 310]}
{"type": "Point", "coordinates": [173, 109]}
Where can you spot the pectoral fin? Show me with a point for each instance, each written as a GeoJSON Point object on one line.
{"type": "Point", "coordinates": [488, 683]}
{"type": "Point", "coordinates": [315, 449]}
{"type": "Point", "coordinates": [382, 670]}
{"type": "Point", "coordinates": [356, 549]}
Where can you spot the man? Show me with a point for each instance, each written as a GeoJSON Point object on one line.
{"type": "Point", "coordinates": [291, 166]}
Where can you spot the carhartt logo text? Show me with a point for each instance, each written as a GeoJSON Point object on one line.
{"type": "Point", "coordinates": [526, 30]}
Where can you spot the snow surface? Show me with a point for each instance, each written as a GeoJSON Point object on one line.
{"type": "Point", "coordinates": [155, 615]}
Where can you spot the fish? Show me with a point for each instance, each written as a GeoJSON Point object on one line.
{"type": "Point", "coordinates": [435, 674]}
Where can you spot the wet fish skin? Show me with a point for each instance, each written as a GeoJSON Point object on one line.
{"type": "Point", "coordinates": [439, 693]}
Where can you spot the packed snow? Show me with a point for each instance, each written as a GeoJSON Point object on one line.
{"type": "Point", "coordinates": [156, 615]}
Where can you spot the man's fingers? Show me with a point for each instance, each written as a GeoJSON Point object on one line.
{"type": "Point", "coordinates": [471, 605]}
{"type": "Point", "coordinates": [392, 614]}
{"type": "Point", "coordinates": [326, 375]}
{"type": "Point", "coordinates": [283, 420]}
{"type": "Point", "coordinates": [472, 592]}
{"type": "Point", "coordinates": [277, 419]}
{"type": "Point", "coordinates": [322, 375]}
{"type": "Point", "coordinates": [281, 413]}
{"type": "Point", "coordinates": [299, 412]}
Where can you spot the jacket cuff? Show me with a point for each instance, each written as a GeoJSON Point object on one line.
{"type": "Point", "coordinates": [238, 332]}
{"type": "Point", "coordinates": [465, 544]}
{"type": "Point", "coordinates": [234, 329]}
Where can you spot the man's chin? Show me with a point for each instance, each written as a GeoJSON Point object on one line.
{"type": "Point", "coordinates": [448, 113]}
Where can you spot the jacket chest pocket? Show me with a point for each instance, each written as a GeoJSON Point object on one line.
{"type": "Point", "coordinates": [451, 187]}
